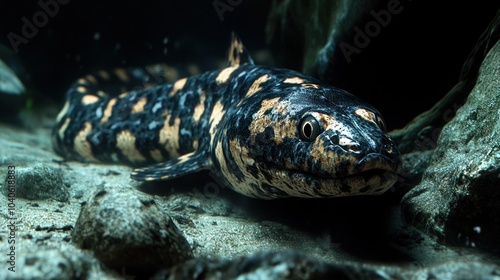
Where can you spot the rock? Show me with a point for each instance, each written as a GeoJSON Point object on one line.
{"type": "Point", "coordinates": [271, 265]}
{"type": "Point", "coordinates": [9, 83]}
{"type": "Point", "coordinates": [127, 229]}
{"type": "Point", "coordinates": [12, 91]}
{"type": "Point", "coordinates": [457, 199]}
{"type": "Point", "coordinates": [414, 166]}
{"type": "Point", "coordinates": [38, 182]}
{"type": "Point", "coordinates": [291, 265]}
{"type": "Point", "coordinates": [60, 263]}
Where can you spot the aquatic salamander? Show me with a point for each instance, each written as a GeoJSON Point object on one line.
{"type": "Point", "coordinates": [264, 132]}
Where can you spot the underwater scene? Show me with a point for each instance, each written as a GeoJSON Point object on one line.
{"type": "Point", "coordinates": [236, 139]}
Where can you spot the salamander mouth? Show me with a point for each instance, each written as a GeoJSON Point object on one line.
{"type": "Point", "coordinates": [365, 181]}
{"type": "Point", "coordinates": [367, 174]}
{"type": "Point", "coordinates": [363, 170]}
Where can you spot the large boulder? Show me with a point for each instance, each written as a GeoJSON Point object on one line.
{"type": "Point", "coordinates": [457, 200]}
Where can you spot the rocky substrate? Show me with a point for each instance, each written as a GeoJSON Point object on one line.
{"type": "Point", "coordinates": [88, 221]}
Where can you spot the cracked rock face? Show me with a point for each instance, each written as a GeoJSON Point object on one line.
{"type": "Point", "coordinates": [127, 229]}
{"type": "Point", "coordinates": [458, 199]}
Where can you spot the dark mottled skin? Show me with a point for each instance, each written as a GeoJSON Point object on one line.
{"type": "Point", "coordinates": [248, 124]}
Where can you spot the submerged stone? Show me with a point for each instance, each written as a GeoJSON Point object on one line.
{"type": "Point", "coordinates": [457, 199]}
{"type": "Point", "coordinates": [39, 182]}
{"type": "Point", "coordinates": [292, 265]}
{"type": "Point", "coordinates": [127, 229]}
{"type": "Point", "coordinates": [12, 91]}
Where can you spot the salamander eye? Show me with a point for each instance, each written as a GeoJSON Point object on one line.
{"type": "Point", "coordinates": [309, 128]}
{"type": "Point", "coordinates": [380, 122]}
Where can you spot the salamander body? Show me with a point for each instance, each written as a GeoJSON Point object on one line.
{"type": "Point", "coordinates": [264, 132]}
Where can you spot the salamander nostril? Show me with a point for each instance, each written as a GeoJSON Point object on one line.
{"type": "Point", "coordinates": [334, 139]}
{"type": "Point", "coordinates": [349, 145]}
{"type": "Point", "coordinates": [388, 147]}
{"type": "Point", "coordinates": [353, 148]}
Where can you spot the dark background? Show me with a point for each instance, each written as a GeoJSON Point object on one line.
{"type": "Point", "coordinates": [404, 71]}
{"type": "Point", "coordinates": [131, 33]}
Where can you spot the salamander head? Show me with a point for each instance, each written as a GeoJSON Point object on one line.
{"type": "Point", "coordinates": [307, 140]}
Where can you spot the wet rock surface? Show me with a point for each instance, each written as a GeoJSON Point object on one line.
{"type": "Point", "coordinates": [38, 182]}
{"type": "Point", "coordinates": [12, 91]}
{"type": "Point", "coordinates": [457, 200]}
{"type": "Point", "coordinates": [290, 265]}
{"type": "Point", "coordinates": [127, 229]}
{"type": "Point", "coordinates": [63, 262]}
